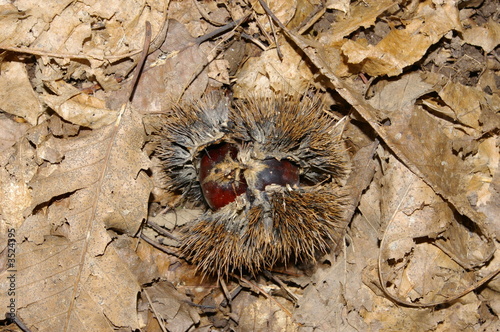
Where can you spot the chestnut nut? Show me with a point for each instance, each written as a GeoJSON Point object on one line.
{"type": "Point", "coordinates": [222, 176]}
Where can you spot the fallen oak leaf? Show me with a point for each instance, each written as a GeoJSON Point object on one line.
{"type": "Point", "coordinates": [68, 282]}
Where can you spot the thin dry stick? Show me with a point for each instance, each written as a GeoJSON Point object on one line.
{"type": "Point", "coordinates": [199, 40]}
{"type": "Point", "coordinates": [27, 50]}
{"type": "Point", "coordinates": [255, 41]}
{"type": "Point", "coordinates": [278, 50]}
{"type": "Point", "coordinates": [277, 280]}
{"type": "Point", "coordinates": [162, 34]}
{"type": "Point", "coordinates": [313, 18]}
{"type": "Point", "coordinates": [226, 292]}
{"type": "Point", "coordinates": [140, 64]}
{"type": "Point", "coordinates": [255, 18]}
{"type": "Point", "coordinates": [159, 318]}
{"type": "Point", "coordinates": [263, 292]}
{"type": "Point", "coordinates": [160, 230]}
{"type": "Point", "coordinates": [160, 247]}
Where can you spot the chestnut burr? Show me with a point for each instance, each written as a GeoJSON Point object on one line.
{"type": "Point", "coordinates": [270, 171]}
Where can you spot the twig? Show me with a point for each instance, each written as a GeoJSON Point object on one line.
{"type": "Point", "coordinates": [263, 292]}
{"type": "Point", "coordinates": [19, 323]}
{"type": "Point", "coordinates": [160, 230]}
{"type": "Point", "coordinates": [225, 290]}
{"type": "Point", "coordinates": [278, 50]}
{"type": "Point", "coordinates": [221, 30]}
{"type": "Point", "coordinates": [159, 318]}
{"type": "Point", "coordinates": [255, 41]}
{"type": "Point", "coordinates": [277, 280]}
{"type": "Point", "coordinates": [204, 38]}
{"type": "Point", "coordinates": [142, 60]}
{"type": "Point", "coordinates": [311, 19]}
{"type": "Point", "coordinates": [160, 247]}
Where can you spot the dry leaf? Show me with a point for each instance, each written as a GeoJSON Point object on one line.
{"type": "Point", "coordinates": [267, 75]}
{"type": "Point", "coordinates": [16, 94]}
{"type": "Point", "coordinates": [487, 36]}
{"type": "Point", "coordinates": [178, 70]}
{"type": "Point", "coordinates": [11, 131]}
{"type": "Point", "coordinates": [359, 16]}
{"type": "Point", "coordinates": [171, 306]}
{"type": "Point", "coordinates": [431, 23]}
{"type": "Point", "coordinates": [98, 182]}
{"type": "Point", "coordinates": [417, 219]}
{"type": "Point", "coordinates": [79, 110]}
{"type": "Point", "coordinates": [284, 10]}
{"type": "Point", "coordinates": [107, 162]}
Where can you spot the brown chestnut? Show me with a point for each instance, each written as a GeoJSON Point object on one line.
{"type": "Point", "coordinates": [222, 176]}
{"type": "Point", "coordinates": [280, 172]}
{"type": "Point", "coordinates": [221, 180]}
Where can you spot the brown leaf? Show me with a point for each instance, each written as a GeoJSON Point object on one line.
{"type": "Point", "coordinates": [68, 286]}
{"type": "Point", "coordinates": [388, 57]}
{"type": "Point", "coordinates": [98, 182]}
{"type": "Point", "coordinates": [181, 74]}
{"type": "Point", "coordinates": [267, 75]}
{"type": "Point", "coordinates": [16, 94]}
{"type": "Point", "coordinates": [486, 36]}
{"type": "Point", "coordinates": [170, 306]}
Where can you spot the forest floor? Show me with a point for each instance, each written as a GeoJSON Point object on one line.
{"type": "Point", "coordinates": [84, 216]}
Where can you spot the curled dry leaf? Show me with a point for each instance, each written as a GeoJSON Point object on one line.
{"type": "Point", "coordinates": [431, 23]}
{"type": "Point", "coordinates": [487, 36]}
{"type": "Point", "coordinates": [79, 110]}
{"type": "Point", "coordinates": [76, 107]}
{"type": "Point", "coordinates": [16, 94]}
{"type": "Point", "coordinates": [416, 220]}
{"type": "Point", "coordinates": [267, 75]}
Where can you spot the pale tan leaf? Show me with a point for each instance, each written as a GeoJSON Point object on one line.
{"type": "Point", "coordinates": [79, 110]}
{"type": "Point", "coordinates": [284, 10]}
{"type": "Point", "coordinates": [16, 94]}
{"type": "Point", "coordinates": [267, 75]}
{"type": "Point", "coordinates": [412, 211]}
{"type": "Point", "coordinates": [99, 183]}
{"type": "Point", "coordinates": [487, 36]}
{"type": "Point", "coordinates": [465, 102]}
{"type": "Point", "coordinates": [171, 306]}
{"type": "Point", "coordinates": [109, 159]}
{"type": "Point", "coordinates": [262, 313]}
{"type": "Point", "coordinates": [358, 16]}
{"type": "Point", "coordinates": [65, 286]}
{"type": "Point", "coordinates": [342, 5]}
{"type": "Point", "coordinates": [18, 167]}
{"type": "Point", "coordinates": [10, 131]}
{"type": "Point", "coordinates": [388, 57]}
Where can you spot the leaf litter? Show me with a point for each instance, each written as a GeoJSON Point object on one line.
{"type": "Point", "coordinates": [419, 81]}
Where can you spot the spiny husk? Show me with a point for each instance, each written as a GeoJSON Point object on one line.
{"type": "Point", "coordinates": [292, 128]}
{"type": "Point", "coordinates": [188, 130]}
{"type": "Point", "coordinates": [260, 228]}
{"type": "Point", "coordinates": [301, 224]}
